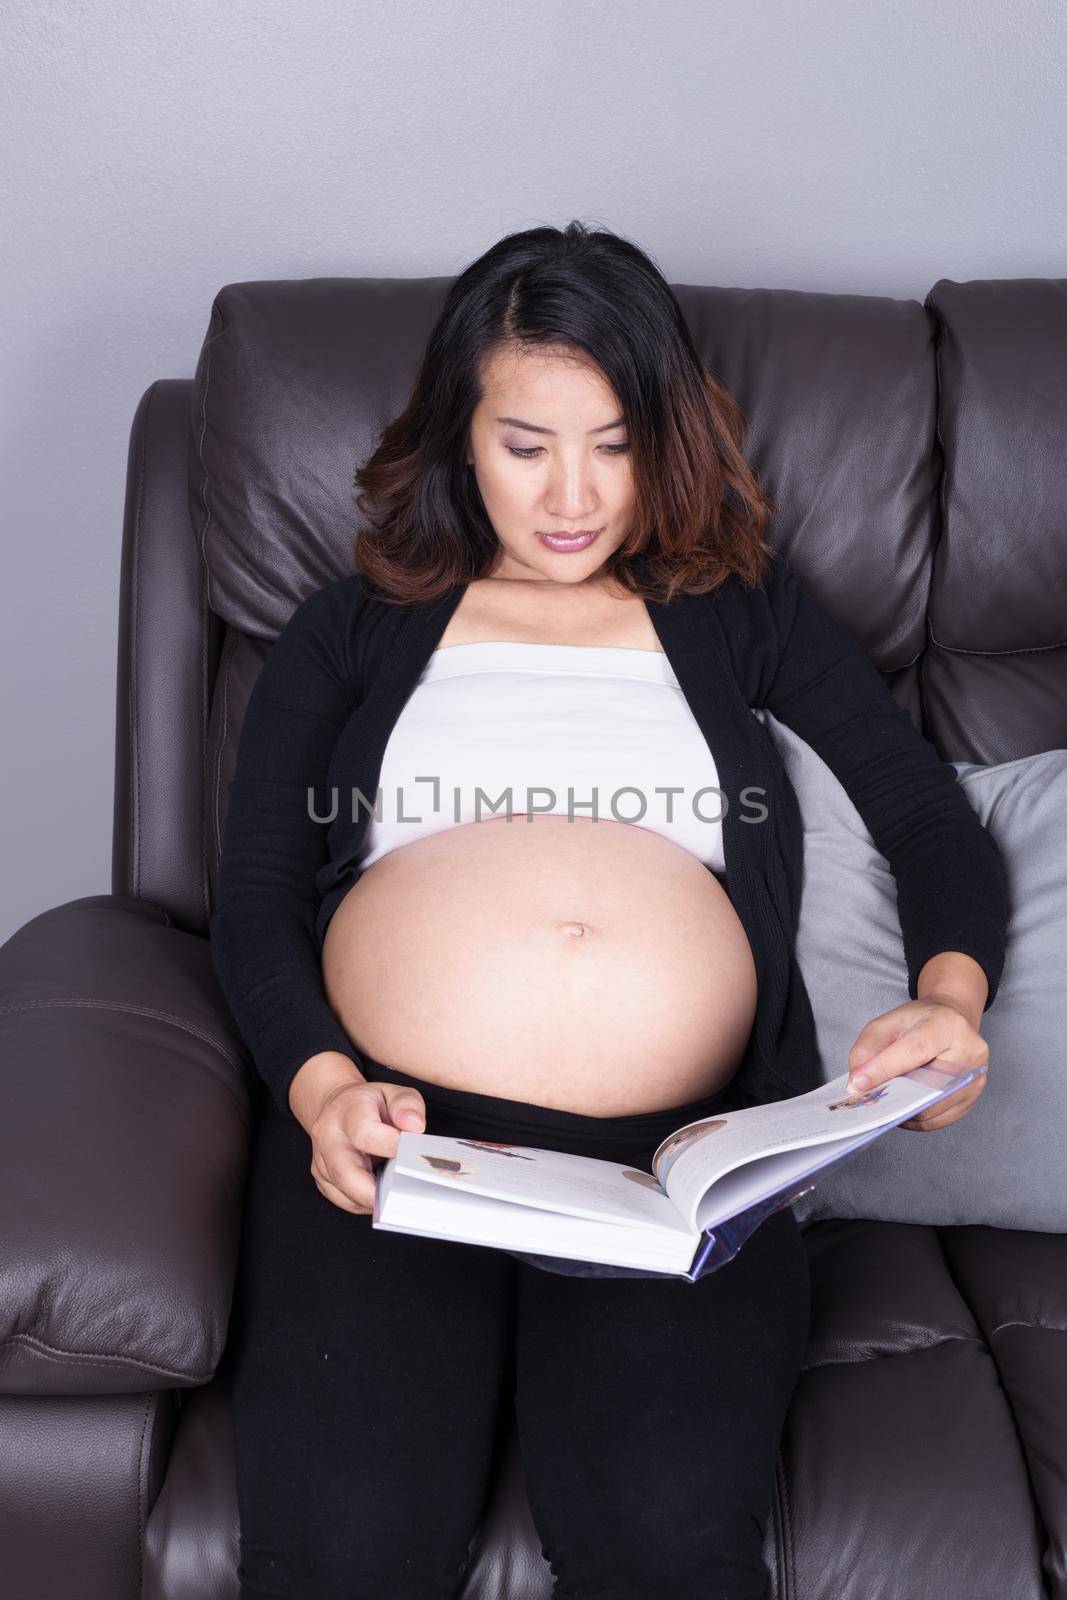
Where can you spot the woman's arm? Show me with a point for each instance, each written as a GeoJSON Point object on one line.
{"type": "Point", "coordinates": [315, 1082]}
{"type": "Point", "coordinates": [263, 943]}
{"type": "Point", "coordinates": [957, 979]}
{"type": "Point", "coordinates": [952, 890]}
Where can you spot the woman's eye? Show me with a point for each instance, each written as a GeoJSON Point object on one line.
{"type": "Point", "coordinates": [533, 450]}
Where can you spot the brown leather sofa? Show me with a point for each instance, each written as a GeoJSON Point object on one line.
{"type": "Point", "coordinates": [916, 453]}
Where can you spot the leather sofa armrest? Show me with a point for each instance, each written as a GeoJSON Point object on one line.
{"type": "Point", "coordinates": [127, 1110]}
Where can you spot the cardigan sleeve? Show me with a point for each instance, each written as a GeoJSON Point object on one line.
{"type": "Point", "coordinates": [952, 889]}
{"type": "Point", "coordinates": [262, 931]}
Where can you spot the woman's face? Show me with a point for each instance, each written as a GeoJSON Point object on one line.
{"type": "Point", "coordinates": [550, 456]}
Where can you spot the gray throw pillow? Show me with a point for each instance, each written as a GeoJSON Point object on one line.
{"type": "Point", "coordinates": [1003, 1163]}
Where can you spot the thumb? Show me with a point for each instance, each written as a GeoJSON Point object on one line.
{"type": "Point", "coordinates": [407, 1111]}
{"type": "Point", "coordinates": [872, 1040]}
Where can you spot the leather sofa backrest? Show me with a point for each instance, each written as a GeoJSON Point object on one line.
{"type": "Point", "coordinates": [914, 452]}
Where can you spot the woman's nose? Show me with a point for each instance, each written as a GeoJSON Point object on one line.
{"type": "Point", "coordinates": [571, 493]}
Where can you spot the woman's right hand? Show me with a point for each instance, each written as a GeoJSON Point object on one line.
{"type": "Point", "coordinates": [351, 1122]}
{"type": "Point", "coordinates": [356, 1123]}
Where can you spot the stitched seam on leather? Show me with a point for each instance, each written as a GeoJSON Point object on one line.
{"type": "Point", "coordinates": [888, 672]}
{"type": "Point", "coordinates": [220, 743]}
{"type": "Point", "coordinates": [205, 636]}
{"type": "Point", "coordinates": [1020, 1322]}
{"type": "Point", "coordinates": [101, 1358]}
{"type": "Point", "coordinates": [121, 1005]}
{"type": "Point", "coordinates": [924, 694]}
{"type": "Point", "coordinates": [137, 638]}
{"type": "Point", "coordinates": [939, 438]}
{"type": "Point", "coordinates": [899, 1355]}
{"type": "Point", "coordinates": [787, 1563]}
{"type": "Point", "coordinates": [134, 666]}
{"type": "Point", "coordinates": [142, 1494]}
{"type": "Point", "coordinates": [1009, 1402]}
{"type": "Point", "coordinates": [1020, 650]}
{"type": "Point", "coordinates": [213, 332]}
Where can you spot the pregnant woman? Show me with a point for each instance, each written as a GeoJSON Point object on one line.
{"type": "Point", "coordinates": [508, 857]}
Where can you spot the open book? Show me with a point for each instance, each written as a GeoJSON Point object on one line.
{"type": "Point", "coordinates": [712, 1182]}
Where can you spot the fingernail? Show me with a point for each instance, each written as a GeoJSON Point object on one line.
{"type": "Point", "coordinates": [859, 1082]}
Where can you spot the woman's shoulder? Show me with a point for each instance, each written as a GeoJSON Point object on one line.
{"type": "Point", "coordinates": [312, 653]}
{"type": "Point", "coordinates": [327, 609]}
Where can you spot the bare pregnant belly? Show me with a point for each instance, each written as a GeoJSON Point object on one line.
{"type": "Point", "coordinates": [585, 965]}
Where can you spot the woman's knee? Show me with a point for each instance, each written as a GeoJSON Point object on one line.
{"type": "Point", "coordinates": [355, 1561]}
{"type": "Point", "coordinates": [656, 1551]}
{"type": "Point", "coordinates": [367, 1398]}
{"type": "Point", "coordinates": [357, 1494]}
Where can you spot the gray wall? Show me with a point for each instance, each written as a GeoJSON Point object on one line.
{"type": "Point", "coordinates": [155, 152]}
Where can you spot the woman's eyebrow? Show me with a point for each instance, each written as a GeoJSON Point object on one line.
{"type": "Point", "coordinates": [530, 427]}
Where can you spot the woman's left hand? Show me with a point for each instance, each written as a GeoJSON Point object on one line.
{"type": "Point", "coordinates": [911, 1035]}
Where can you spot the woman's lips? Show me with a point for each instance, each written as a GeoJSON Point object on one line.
{"type": "Point", "coordinates": [579, 542]}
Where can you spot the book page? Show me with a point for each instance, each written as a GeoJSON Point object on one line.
{"type": "Point", "coordinates": [579, 1186]}
{"type": "Point", "coordinates": [409, 1205]}
{"type": "Point", "coordinates": [690, 1160]}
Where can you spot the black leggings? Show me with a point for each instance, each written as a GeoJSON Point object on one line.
{"type": "Point", "coordinates": [374, 1374]}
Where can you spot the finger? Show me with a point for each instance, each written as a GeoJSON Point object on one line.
{"type": "Point", "coordinates": [948, 1110]}
{"type": "Point", "coordinates": [361, 1129]}
{"type": "Point", "coordinates": [347, 1171]}
{"type": "Point", "coordinates": [952, 1102]}
{"type": "Point", "coordinates": [934, 1124]}
{"type": "Point", "coordinates": [954, 1105]}
{"type": "Point", "coordinates": [913, 1049]}
{"type": "Point", "coordinates": [925, 1122]}
{"type": "Point", "coordinates": [407, 1110]}
{"type": "Point", "coordinates": [965, 1096]}
{"type": "Point", "coordinates": [338, 1198]}
{"type": "Point", "coordinates": [871, 1040]}
{"type": "Point", "coordinates": [369, 1120]}
{"type": "Point", "coordinates": [337, 1162]}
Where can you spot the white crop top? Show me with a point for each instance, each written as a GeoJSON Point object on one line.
{"type": "Point", "coordinates": [528, 722]}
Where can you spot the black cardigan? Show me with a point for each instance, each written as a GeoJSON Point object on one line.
{"type": "Point", "coordinates": [333, 687]}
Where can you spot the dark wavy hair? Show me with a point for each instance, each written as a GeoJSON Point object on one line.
{"type": "Point", "coordinates": [699, 513]}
